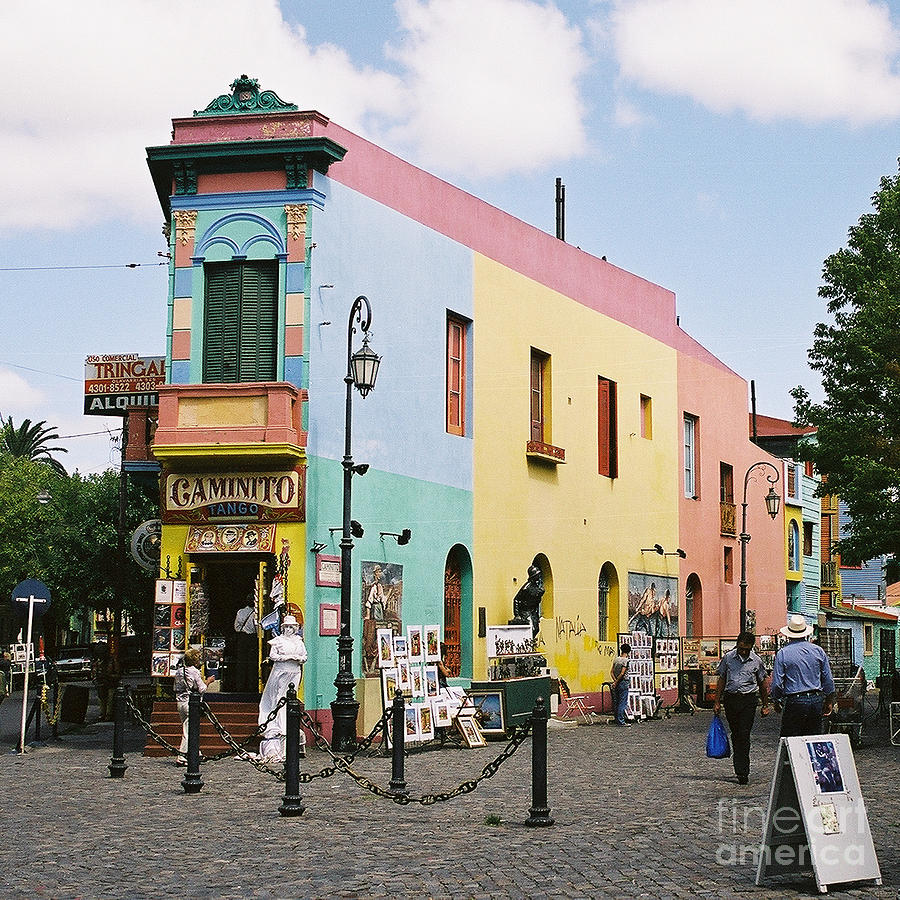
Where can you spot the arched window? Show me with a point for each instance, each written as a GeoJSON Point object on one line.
{"type": "Point", "coordinates": [607, 604]}
{"type": "Point", "coordinates": [794, 546]}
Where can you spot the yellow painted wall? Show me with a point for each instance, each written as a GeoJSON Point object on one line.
{"type": "Point", "coordinates": [793, 514]}
{"type": "Point", "coordinates": [577, 518]}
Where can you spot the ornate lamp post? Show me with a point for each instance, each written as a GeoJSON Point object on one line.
{"type": "Point", "coordinates": [362, 369]}
{"type": "Point", "coordinates": [772, 503]}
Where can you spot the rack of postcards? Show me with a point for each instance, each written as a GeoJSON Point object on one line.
{"type": "Point", "coordinates": [701, 658]}
{"type": "Point", "coordinates": [642, 699]}
{"type": "Point", "coordinates": [169, 626]}
{"type": "Point", "coordinates": [408, 662]}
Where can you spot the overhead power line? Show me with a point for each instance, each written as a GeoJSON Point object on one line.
{"type": "Point", "coordinates": [63, 268]}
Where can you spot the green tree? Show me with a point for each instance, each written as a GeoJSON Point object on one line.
{"type": "Point", "coordinates": [31, 441]}
{"type": "Point", "coordinates": [857, 445]}
{"type": "Point", "coordinates": [70, 543]}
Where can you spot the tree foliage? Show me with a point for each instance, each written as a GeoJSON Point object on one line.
{"type": "Point", "coordinates": [31, 441]}
{"type": "Point", "coordinates": [70, 543]}
{"type": "Point", "coordinates": [857, 446]}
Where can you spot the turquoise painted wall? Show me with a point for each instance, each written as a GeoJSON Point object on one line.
{"type": "Point", "coordinates": [420, 477]}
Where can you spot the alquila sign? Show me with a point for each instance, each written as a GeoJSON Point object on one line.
{"type": "Point", "coordinates": [233, 495]}
{"type": "Point", "coordinates": [113, 383]}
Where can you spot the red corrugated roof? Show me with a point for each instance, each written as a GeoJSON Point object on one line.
{"type": "Point", "coordinates": [843, 611]}
{"type": "Point", "coordinates": [769, 426]}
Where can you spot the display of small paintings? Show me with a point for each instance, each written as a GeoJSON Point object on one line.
{"type": "Point", "coordinates": [164, 588]}
{"type": "Point", "coordinates": [416, 681]}
{"type": "Point", "coordinates": [389, 686]}
{"type": "Point", "coordinates": [766, 642]}
{"type": "Point", "coordinates": [668, 682]}
{"type": "Point", "coordinates": [403, 679]}
{"type": "Point", "coordinates": [441, 711]}
{"type": "Point", "coordinates": [159, 664]}
{"type": "Point", "coordinates": [399, 646]}
{"type": "Point", "coordinates": [471, 733]}
{"type": "Point", "coordinates": [432, 638]}
{"type": "Point", "coordinates": [385, 639]}
{"type": "Point", "coordinates": [179, 591]}
{"type": "Point", "coordinates": [415, 648]}
{"type": "Point", "coordinates": [424, 721]}
{"type": "Point", "coordinates": [690, 653]}
{"type": "Point", "coordinates": [490, 713]}
{"type": "Point", "coordinates": [162, 638]}
{"type": "Point", "coordinates": [432, 685]}
{"type": "Point", "coordinates": [162, 615]}
{"type": "Point", "coordinates": [725, 646]}
{"type": "Point", "coordinates": [177, 641]}
{"type": "Point", "coordinates": [411, 724]}
{"type": "Point", "coordinates": [179, 615]}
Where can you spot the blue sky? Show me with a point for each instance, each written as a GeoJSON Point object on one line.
{"type": "Point", "coordinates": [720, 148]}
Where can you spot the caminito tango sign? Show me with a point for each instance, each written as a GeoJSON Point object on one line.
{"type": "Point", "coordinates": [115, 382]}
{"type": "Point", "coordinates": [194, 497]}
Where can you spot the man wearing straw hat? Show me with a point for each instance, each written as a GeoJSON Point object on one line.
{"type": "Point", "coordinates": [801, 681]}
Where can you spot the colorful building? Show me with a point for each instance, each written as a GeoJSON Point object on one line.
{"type": "Point", "coordinates": [535, 405]}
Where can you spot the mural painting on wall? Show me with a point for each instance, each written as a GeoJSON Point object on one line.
{"type": "Point", "coordinates": [653, 604]}
{"type": "Point", "coordinates": [382, 596]}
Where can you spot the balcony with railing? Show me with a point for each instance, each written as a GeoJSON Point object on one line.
{"type": "Point", "coordinates": [258, 417]}
{"type": "Point", "coordinates": [728, 518]}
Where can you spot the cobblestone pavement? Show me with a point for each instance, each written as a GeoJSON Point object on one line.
{"type": "Point", "coordinates": [640, 812]}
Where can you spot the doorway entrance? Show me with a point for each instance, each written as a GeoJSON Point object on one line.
{"type": "Point", "coordinates": [229, 581]}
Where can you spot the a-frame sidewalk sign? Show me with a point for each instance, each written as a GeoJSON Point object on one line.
{"type": "Point", "coordinates": [816, 818]}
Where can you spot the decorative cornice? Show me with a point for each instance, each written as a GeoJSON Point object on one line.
{"type": "Point", "coordinates": [296, 220]}
{"type": "Point", "coordinates": [185, 225]}
{"type": "Point", "coordinates": [246, 97]}
{"type": "Point", "coordinates": [185, 175]}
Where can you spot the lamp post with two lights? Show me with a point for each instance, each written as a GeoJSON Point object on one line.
{"type": "Point", "coordinates": [362, 370]}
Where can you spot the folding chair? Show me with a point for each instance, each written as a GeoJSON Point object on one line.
{"type": "Point", "coordinates": [575, 706]}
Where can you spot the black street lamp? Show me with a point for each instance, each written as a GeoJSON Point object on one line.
{"type": "Point", "coordinates": [772, 503]}
{"type": "Point", "coordinates": [362, 369]}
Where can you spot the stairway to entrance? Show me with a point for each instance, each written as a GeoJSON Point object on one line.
{"type": "Point", "coordinates": [236, 712]}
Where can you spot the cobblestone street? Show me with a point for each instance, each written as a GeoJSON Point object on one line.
{"type": "Point", "coordinates": [639, 812]}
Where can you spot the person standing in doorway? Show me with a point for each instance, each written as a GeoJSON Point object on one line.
{"type": "Point", "coordinates": [621, 684]}
{"type": "Point", "coordinates": [246, 647]}
{"type": "Point", "coordinates": [742, 682]}
{"type": "Point", "coordinates": [802, 682]}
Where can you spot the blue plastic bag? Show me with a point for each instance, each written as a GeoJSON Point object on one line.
{"type": "Point", "coordinates": [717, 743]}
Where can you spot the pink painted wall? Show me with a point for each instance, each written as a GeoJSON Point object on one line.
{"type": "Point", "coordinates": [378, 174]}
{"type": "Point", "coordinates": [719, 399]}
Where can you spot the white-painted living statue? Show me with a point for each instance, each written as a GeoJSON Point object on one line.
{"type": "Point", "coordinates": [287, 653]}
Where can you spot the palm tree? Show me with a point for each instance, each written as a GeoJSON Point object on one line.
{"type": "Point", "coordinates": [31, 442]}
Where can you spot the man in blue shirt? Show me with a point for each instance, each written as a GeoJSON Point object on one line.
{"type": "Point", "coordinates": [801, 681]}
{"type": "Point", "coordinates": [742, 681]}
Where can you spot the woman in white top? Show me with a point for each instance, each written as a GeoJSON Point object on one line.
{"type": "Point", "coordinates": [187, 678]}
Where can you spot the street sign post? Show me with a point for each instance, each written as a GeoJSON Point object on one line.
{"type": "Point", "coordinates": [34, 596]}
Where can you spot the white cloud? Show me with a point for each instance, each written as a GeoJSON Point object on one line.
{"type": "Point", "coordinates": [490, 85]}
{"type": "Point", "coordinates": [16, 394]}
{"type": "Point", "coordinates": [627, 115]}
{"type": "Point", "coordinates": [96, 82]}
{"type": "Point", "coordinates": [812, 60]}
{"type": "Point", "coordinates": [493, 84]}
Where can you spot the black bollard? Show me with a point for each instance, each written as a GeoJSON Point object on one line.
{"type": "Point", "coordinates": [192, 782]}
{"type": "Point", "coordinates": [292, 802]}
{"type": "Point", "coordinates": [117, 765]}
{"type": "Point", "coordinates": [398, 739]}
{"type": "Point", "coordinates": [540, 812]}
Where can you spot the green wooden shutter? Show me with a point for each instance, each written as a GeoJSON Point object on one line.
{"type": "Point", "coordinates": [259, 318]}
{"type": "Point", "coordinates": [240, 322]}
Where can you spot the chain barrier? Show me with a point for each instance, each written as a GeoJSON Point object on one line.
{"type": "Point", "coordinates": [139, 718]}
{"type": "Point", "coordinates": [52, 716]}
{"type": "Point", "coordinates": [342, 764]}
{"type": "Point", "coordinates": [235, 748]}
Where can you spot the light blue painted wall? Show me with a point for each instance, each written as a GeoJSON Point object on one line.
{"type": "Point", "coordinates": [411, 276]}
{"type": "Point", "coordinates": [812, 565]}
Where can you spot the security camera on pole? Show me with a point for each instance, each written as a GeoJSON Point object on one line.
{"type": "Point", "coordinates": [32, 599]}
